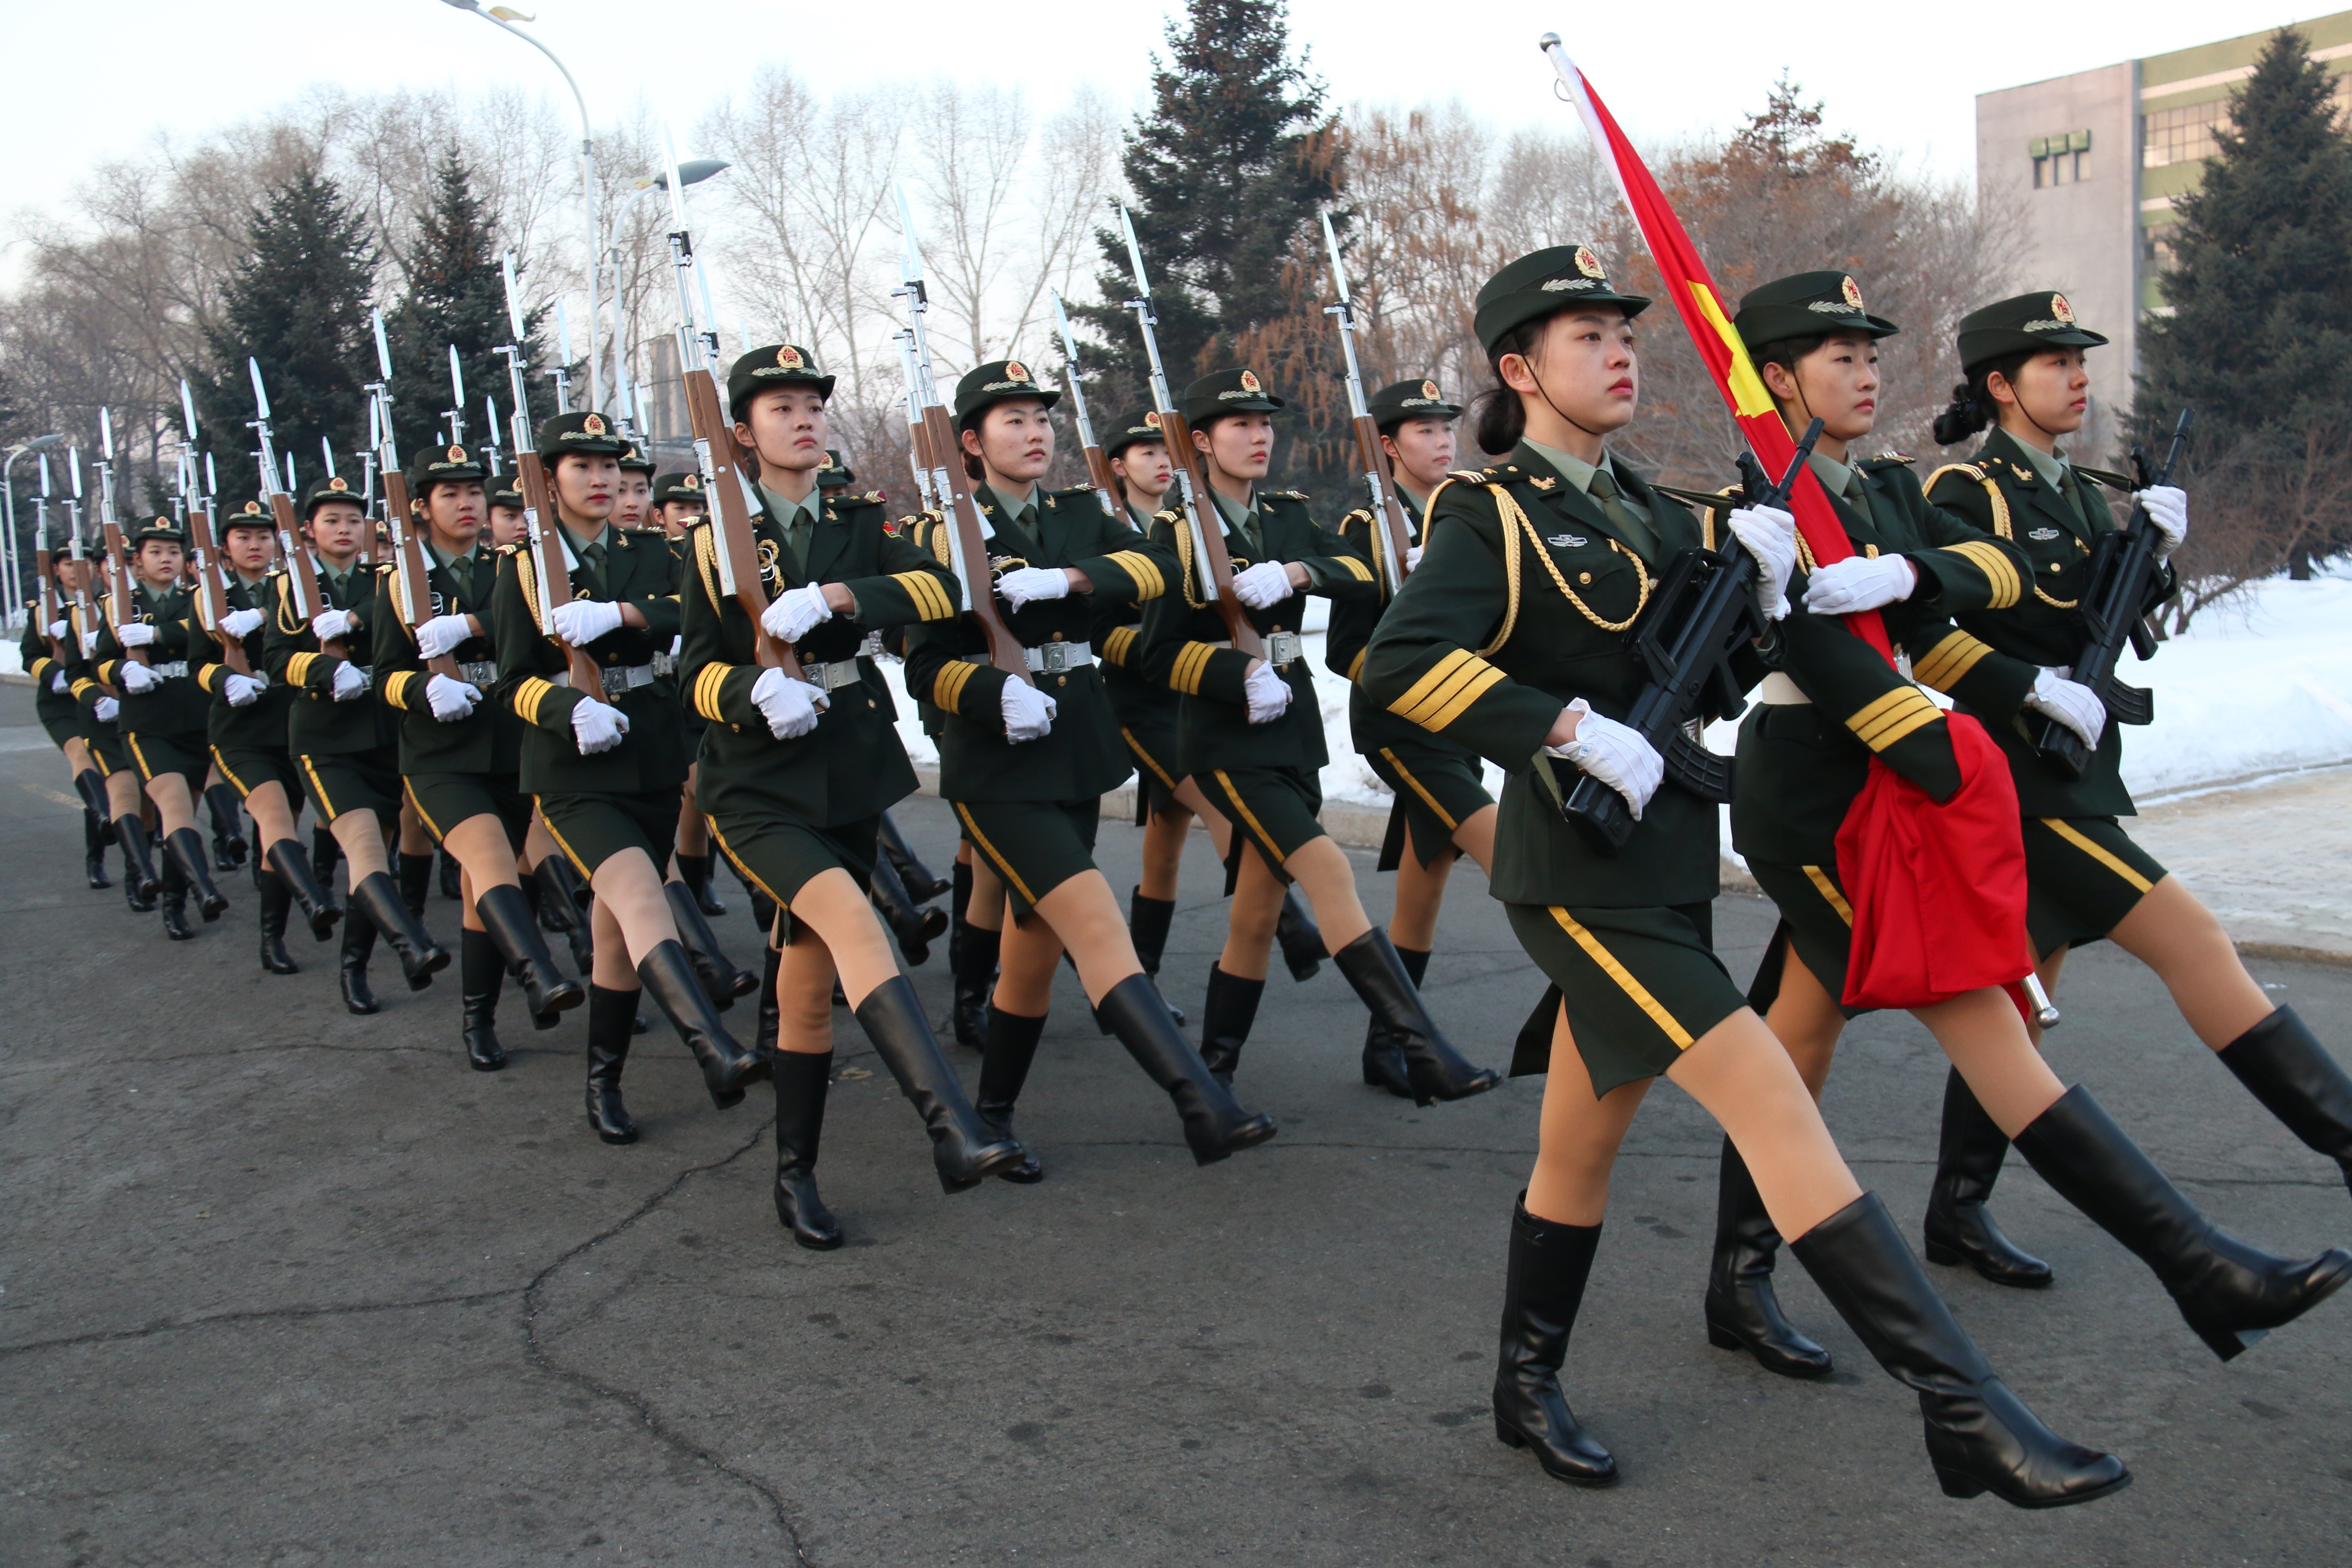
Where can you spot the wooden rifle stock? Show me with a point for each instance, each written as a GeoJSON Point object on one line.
{"type": "Point", "coordinates": [732, 516]}
{"type": "Point", "coordinates": [47, 566]}
{"type": "Point", "coordinates": [1004, 650]}
{"type": "Point", "coordinates": [555, 575]}
{"type": "Point", "coordinates": [118, 584]}
{"type": "Point", "coordinates": [1389, 515]}
{"type": "Point", "coordinates": [212, 590]}
{"type": "Point", "coordinates": [1098, 470]}
{"type": "Point", "coordinates": [412, 604]}
{"type": "Point", "coordinates": [305, 570]}
{"type": "Point", "coordinates": [1203, 515]}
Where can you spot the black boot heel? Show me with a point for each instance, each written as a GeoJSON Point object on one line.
{"type": "Point", "coordinates": [482, 971]}
{"type": "Point", "coordinates": [1434, 1070]}
{"type": "Point", "coordinates": [1216, 1127]}
{"type": "Point", "coordinates": [1959, 1228]}
{"type": "Point", "coordinates": [285, 859]}
{"type": "Point", "coordinates": [276, 904]}
{"type": "Point", "coordinates": [726, 1068]}
{"type": "Point", "coordinates": [352, 965]}
{"type": "Point", "coordinates": [965, 1150]}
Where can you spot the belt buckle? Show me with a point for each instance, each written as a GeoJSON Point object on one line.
{"type": "Point", "coordinates": [1055, 656]}
{"type": "Point", "coordinates": [615, 681]}
{"type": "Point", "coordinates": [1281, 648]}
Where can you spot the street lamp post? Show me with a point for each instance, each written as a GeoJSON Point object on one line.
{"type": "Point", "coordinates": [10, 558]}
{"type": "Point", "coordinates": [693, 172]}
{"type": "Point", "coordinates": [501, 17]}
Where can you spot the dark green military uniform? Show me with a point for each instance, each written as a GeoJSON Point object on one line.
{"type": "Point", "coordinates": [347, 753]}
{"type": "Point", "coordinates": [595, 806]}
{"type": "Point", "coordinates": [1264, 778]}
{"type": "Point", "coordinates": [1805, 747]}
{"type": "Point", "coordinates": [249, 744]}
{"type": "Point", "coordinates": [1438, 786]}
{"type": "Point", "coordinates": [1033, 808]}
{"type": "Point", "coordinates": [104, 736]}
{"type": "Point", "coordinates": [1146, 710]}
{"type": "Point", "coordinates": [2084, 873]}
{"type": "Point", "coordinates": [60, 715]}
{"type": "Point", "coordinates": [453, 771]}
{"type": "Point", "coordinates": [164, 726]}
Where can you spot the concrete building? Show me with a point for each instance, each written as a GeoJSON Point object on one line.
{"type": "Point", "coordinates": [2092, 162]}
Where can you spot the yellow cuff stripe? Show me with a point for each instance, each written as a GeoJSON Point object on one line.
{"type": "Point", "coordinates": [528, 696]}
{"type": "Point", "coordinates": [1356, 664]}
{"type": "Point", "coordinates": [1668, 1024]}
{"type": "Point", "coordinates": [41, 667]}
{"type": "Point", "coordinates": [1192, 664]}
{"type": "Point", "coordinates": [1949, 660]}
{"type": "Point", "coordinates": [928, 594]}
{"type": "Point", "coordinates": [2120, 867]}
{"type": "Point", "coordinates": [706, 690]}
{"type": "Point", "coordinates": [396, 691]}
{"type": "Point", "coordinates": [1447, 691]}
{"type": "Point", "coordinates": [1357, 569]}
{"type": "Point", "coordinates": [1892, 715]}
{"type": "Point", "coordinates": [298, 668]}
{"type": "Point", "coordinates": [1119, 646]}
{"type": "Point", "coordinates": [1998, 569]}
{"type": "Point", "coordinates": [1828, 891]}
{"type": "Point", "coordinates": [1142, 570]}
{"type": "Point", "coordinates": [948, 686]}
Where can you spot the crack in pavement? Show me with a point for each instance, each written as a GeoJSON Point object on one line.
{"type": "Point", "coordinates": [258, 1315]}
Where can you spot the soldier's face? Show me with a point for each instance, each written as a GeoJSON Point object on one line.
{"type": "Point", "coordinates": [159, 563]}
{"type": "Point", "coordinates": [336, 529]}
{"type": "Point", "coordinates": [2053, 389]}
{"type": "Point", "coordinates": [1241, 446]}
{"type": "Point", "coordinates": [506, 525]}
{"type": "Point", "coordinates": [633, 498]}
{"type": "Point", "coordinates": [1836, 383]}
{"type": "Point", "coordinates": [785, 429]}
{"type": "Point", "coordinates": [1584, 375]}
{"type": "Point", "coordinates": [1145, 468]}
{"type": "Point", "coordinates": [1013, 441]}
{"type": "Point", "coordinates": [1423, 450]}
{"type": "Point", "coordinates": [247, 549]}
{"type": "Point", "coordinates": [454, 512]}
{"type": "Point", "coordinates": [585, 487]}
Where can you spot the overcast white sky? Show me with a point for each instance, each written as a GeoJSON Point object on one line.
{"type": "Point", "coordinates": [99, 79]}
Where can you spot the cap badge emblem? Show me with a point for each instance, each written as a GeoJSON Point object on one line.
{"type": "Point", "coordinates": [253, 509]}
{"type": "Point", "coordinates": [2060, 308]}
{"type": "Point", "coordinates": [338, 483]}
{"type": "Point", "coordinates": [1152, 419]}
{"type": "Point", "coordinates": [692, 481]}
{"type": "Point", "coordinates": [457, 454]}
{"type": "Point", "coordinates": [789, 358]}
{"type": "Point", "coordinates": [1853, 294]}
{"type": "Point", "coordinates": [1429, 391]}
{"type": "Point", "coordinates": [1250, 382]}
{"type": "Point", "coordinates": [1015, 371]}
{"type": "Point", "coordinates": [1590, 264]}
{"type": "Point", "coordinates": [593, 425]}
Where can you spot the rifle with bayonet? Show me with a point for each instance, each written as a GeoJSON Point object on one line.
{"type": "Point", "coordinates": [2125, 572]}
{"type": "Point", "coordinates": [951, 482]}
{"type": "Point", "coordinates": [86, 611]}
{"type": "Point", "coordinates": [918, 439]}
{"type": "Point", "coordinates": [45, 563]}
{"type": "Point", "coordinates": [1704, 612]}
{"type": "Point", "coordinates": [1106, 483]}
{"type": "Point", "coordinates": [413, 600]}
{"type": "Point", "coordinates": [110, 533]}
{"type": "Point", "coordinates": [1212, 562]}
{"type": "Point", "coordinates": [302, 569]}
{"type": "Point", "coordinates": [1371, 458]}
{"type": "Point", "coordinates": [212, 571]}
{"type": "Point", "coordinates": [542, 525]}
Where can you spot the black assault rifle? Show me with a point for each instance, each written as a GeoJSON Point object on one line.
{"type": "Point", "coordinates": [2124, 572]}
{"type": "Point", "coordinates": [1705, 611]}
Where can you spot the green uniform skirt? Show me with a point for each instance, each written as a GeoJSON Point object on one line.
{"type": "Point", "coordinates": [779, 854]}
{"type": "Point", "coordinates": [445, 800]}
{"type": "Point", "coordinates": [1438, 788]}
{"type": "Point", "coordinates": [591, 828]}
{"type": "Point", "coordinates": [1034, 845]}
{"type": "Point", "coordinates": [1151, 739]}
{"type": "Point", "coordinates": [352, 781]}
{"type": "Point", "coordinates": [106, 745]}
{"type": "Point", "coordinates": [1274, 808]}
{"type": "Point", "coordinates": [2083, 876]}
{"type": "Point", "coordinates": [155, 755]}
{"type": "Point", "coordinates": [248, 768]}
{"type": "Point", "coordinates": [1815, 920]}
{"type": "Point", "coordinates": [1640, 986]}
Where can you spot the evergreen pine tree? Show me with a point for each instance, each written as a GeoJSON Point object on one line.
{"type": "Point", "coordinates": [457, 296]}
{"type": "Point", "coordinates": [298, 305]}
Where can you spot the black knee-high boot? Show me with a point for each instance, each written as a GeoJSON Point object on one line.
{"type": "Point", "coordinates": [1147, 927]}
{"type": "Point", "coordinates": [186, 848]}
{"type": "Point", "coordinates": [771, 1010]}
{"type": "Point", "coordinates": [915, 928]}
{"type": "Point", "coordinates": [694, 870]}
{"type": "Point", "coordinates": [1959, 1229]}
{"type": "Point", "coordinates": [963, 1149]}
{"type": "Point", "coordinates": [172, 898]}
{"type": "Point", "coordinates": [1384, 1064]}
{"type": "Point", "coordinates": [726, 1068]}
{"type": "Point", "coordinates": [415, 881]}
{"type": "Point", "coordinates": [1543, 1289]}
{"type": "Point", "coordinates": [1226, 1016]}
{"type": "Point", "coordinates": [96, 835]}
{"type": "Point", "coordinates": [559, 902]}
{"type": "Point", "coordinates": [352, 963]}
{"type": "Point", "coordinates": [276, 904]}
{"type": "Point", "coordinates": [1980, 1436]}
{"type": "Point", "coordinates": [507, 923]}
{"type": "Point", "coordinates": [452, 878]}
{"type": "Point", "coordinates": [2286, 1068]}
{"type": "Point", "coordinates": [1742, 1311]}
{"type": "Point", "coordinates": [1300, 937]}
{"type": "Point", "coordinates": [801, 1080]}
{"type": "Point", "coordinates": [923, 885]}
{"type": "Point", "coordinates": [2230, 1293]}
{"type": "Point", "coordinates": [720, 979]}
{"type": "Point", "coordinates": [324, 854]}
{"type": "Point", "coordinates": [1215, 1125]}
{"type": "Point", "coordinates": [611, 1018]}
{"type": "Point", "coordinates": [140, 882]}
{"type": "Point", "coordinates": [421, 958]}
{"type": "Point", "coordinates": [1433, 1068]}
{"type": "Point", "coordinates": [229, 848]}
{"type": "Point", "coordinates": [285, 859]}
{"type": "Point", "coordinates": [1003, 1068]}
{"type": "Point", "coordinates": [975, 975]}
{"type": "Point", "coordinates": [481, 969]}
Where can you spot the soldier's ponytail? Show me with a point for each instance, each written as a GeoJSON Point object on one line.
{"type": "Point", "coordinates": [1972, 407]}
{"type": "Point", "coordinates": [1498, 418]}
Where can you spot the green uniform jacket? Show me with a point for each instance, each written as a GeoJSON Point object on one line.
{"type": "Point", "coordinates": [1485, 645]}
{"type": "Point", "coordinates": [177, 706]}
{"type": "Point", "coordinates": [33, 653]}
{"type": "Point", "coordinates": [261, 724]}
{"type": "Point", "coordinates": [487, 740]}
{"type": "Point", "coordinates": [639, 570]}
{"type": "Point", "coordinates": [1991, 667]}
{"type": "Point", "coordinates": [1115, 631]}
{"type": "Point", "coordinates": [82, 671]}
{"type": "Point", "coordinates": [1370, 725]}
{"type": "Point", "coordinates": [1799, 767]}
{"type": "Point", "coordinates": [318, 725]}
{"type": "Point", "coordinates": [1182, 643]}
{"type": "Point", "coordinates": [1083, 755]}
{"type": "Point", "coordinates": [852, 765]}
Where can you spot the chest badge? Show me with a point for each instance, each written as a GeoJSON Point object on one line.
{"type": "Point", "coordinates": [2043, 535]}
{"type": "Point", "coordinates": [1568, 541]}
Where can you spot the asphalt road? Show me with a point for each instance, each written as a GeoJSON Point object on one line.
{"type": "Point", "coordinates": [282, 1286]}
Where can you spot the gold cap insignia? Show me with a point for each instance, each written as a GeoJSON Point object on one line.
{"type": "Point", "coordinates": [457, 454]}
{"type": "Point", "coordinates": [1152, 419]}
{"type": "Point", "coordinates": [338, 483]}
{"type": "Point", "coordinates": [691, 482]}
{"type": "Point", "coordinates": [1590, 264]}
{"type": "Point", "coordinates": [253, 509]}
{"type": "Point", "coordinates": [1015, 371]}
{"type": "Point", "coordinates": [593, 425]}
{"type": "Point", "coordinates": [1429, 391]}
{"type": "Point", "coordinates": [789, 358]}
{"type": "Point", "coordinates": [1853, 294]}
{"type": "Point", "coordinates": [2060, 308]}
{"type": "Point", "coordinates": [1250, 382]}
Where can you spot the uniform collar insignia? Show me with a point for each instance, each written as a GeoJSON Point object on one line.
{"type": "Point", "coordinates": [1542, 483]}
{"type": "Point", "coordinates": [2025, 475]}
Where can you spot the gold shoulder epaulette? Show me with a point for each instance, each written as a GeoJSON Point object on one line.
{"type": "Point", "coordinates": [1286, 495]}
{"type": "Point", "coordinates": [872, 497]}
{"type": "Point", "coordinates": [2111, 480]}
{"type": "Point", "coordinates": [1891, 456]}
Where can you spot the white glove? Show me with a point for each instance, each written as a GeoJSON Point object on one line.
{"type": "Point", "coordinates": [58, 629]}
{"type": "Point", "coordinates": [596, 726]}
{"type": "Point", "coordinates": [1616, 754]}
{"type": "Point", "coordinates": [58, 683]}
{"type": "Point", "coordinates": [1268, 693]}
{"type": "Point", "coordinates": [789, 706]}
{"type": "Point", "coordinates": [1266, 583]}
{"type": "Point", "coordinates": [1028, 712]}
{"type": "Point", "coordinates": [88, 643]}
{"type": "Point", "coordinates": [350, 681]}
{"type": "Point", "coordinates": [1033, 583]}
{"type": "Point", "coordinates": [1412, 556]}
{"type": "Point", "coordinates": [1770, 534]}
{"type": "Point", "coordinates": [240, 623]}
{"type": "Point", "coordinates": [451, 699]}
{"type": "Point", "coordinates": [583, 621]}
{"type": "Point", "coordinates": [106, 708]}
{"type": "Point", "coordinates": [1856, 584]}
{"type": "Point", "coordinates": [2074, 705]}
{"type": "Point", "coordinates": [2167, 509]}
{"type": "Point", "coordinates": [137, 634]}
{"type": "Point", "coordinates": [137, 679]}
{"type": "Point", "coordinates": [442, 633]}
{"type": "Point", "coordinates": [243, 690]}
{"type": "Point", "coordinates": [329, 625]}
{"type": "Point", "coordinates": [795, 612]}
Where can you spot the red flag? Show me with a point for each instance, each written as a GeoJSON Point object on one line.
{"type": "Point", "coordinates": [1938, 889]}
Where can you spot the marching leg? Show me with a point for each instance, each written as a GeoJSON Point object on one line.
{"type": "Point", "coordinates": [359, 946]}
{"type": "Point", "coordinates": [965, 1150]}
{"type": "Point", "coordinates": [1968, 1160]}
{"type": "Point", "coordinates": [719, 978]}
{"type": "Point", "coordinates": [1215, 1125]}
{"type": "Point", "coordinates": [1003, 1068]}
{"type": "Point", "coordinates": [1147, 927]}
{"type": "Point", "coordinates": [610, 1014]}
{"type": "Point", "coordinates": [922, 885]}
{"type": "Point", "coordinates": [2286, 1068]}
{"type": "Point", "coordinates": [294, 873]}
{"type": "Point", "coordinates": [229, 848]}
{"type": "Point", "coordinates": [1384, 1064]}
{"type": "Point", "coordinates": [276, 904]}
{"type": "Point", "coordinates": [1742, 1311]}
{"type": "Point", "coordinates": [1301, 939]}
{"type": "Point", "coordinates": [1433, 1068]}
{"type": "Point", "coordinates": [802, 1079]}
{"type": "Point", "coordinates": [1225, 1019]}
{"type": "Point", "coordinates": [481, 969]}
{"type": "Point", "coordinates": [421, 957]}
{"type": "Point", "coordinates": [507, 925]}
{"type": "Point", "coordinates": [186, 848]}
{"type": "Point", "coordinates": [1542, 1291]}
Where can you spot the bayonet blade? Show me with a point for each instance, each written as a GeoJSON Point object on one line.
{"type": "Point", "coordinates": [106, 433]}
{"type": "Point", "coordinates": [188, 410]}
{"type": "Point", "coordinates": [457, 379]}
{"type": "Point", "coordinates": [383, 348]}
{"type": "Point", "coordinates": [1339, 267]}
{"type": "Point", "coordinates": [676, 186]}
{"type": "Point", "coordinates": [514, 304]}
{"type": "Point", "coordinates": [44, 476]}
{"type": "Point", "coordinates": [327, 452]}
{"type": "Point", "coordinates": [1069, 339]}
{"type": "Point", "coordinates": [910, 250]}
{"type": "Point", "coordinates": [1134, 253]}
{"type": "Point", "coordinates": [73, 459]}
{"type": "Point", "coordinates": [212, 485]}
{"type": "Point", "coordinates": [260, 394]}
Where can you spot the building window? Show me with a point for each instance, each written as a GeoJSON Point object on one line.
{"type": "Point", "coordinates": [2182, 135]}
{"type": "Point", "coordinates": [2060, 160]}
{"type": "Point", "coordinates": [2156, 252]}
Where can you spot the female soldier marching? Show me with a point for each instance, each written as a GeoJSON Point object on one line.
{"type": "Point", "coordinates": [2087, 879]}
{"type": "Point", "coordinates": [1476, 648]}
